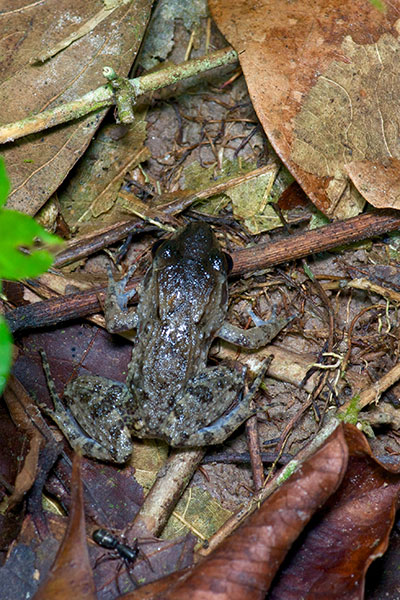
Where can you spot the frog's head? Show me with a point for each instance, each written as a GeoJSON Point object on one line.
{"type": "Point", "coordinates": [194, 243]}
{"type": "Point", "coordinates": [189, 276]}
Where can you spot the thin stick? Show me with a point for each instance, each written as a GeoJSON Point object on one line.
{"type": "Point", "coordinates": [253, 443]}
{"type": "Point", "coordinates": [104, 95]}
{"type": "Point", "coordinates": [325, 238]}
{"type": "Point", "coordinates": [362, 284]}
{"type": "Point", "coordinates": [172, 478]}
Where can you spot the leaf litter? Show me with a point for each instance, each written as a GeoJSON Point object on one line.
{"type": "Point", "coordinates": [91, 193]}
{"type": "Point", "coordinates": [183, 119]}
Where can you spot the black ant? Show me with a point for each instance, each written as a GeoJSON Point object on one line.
{"type": "Point", "coordinates": [128, 554]}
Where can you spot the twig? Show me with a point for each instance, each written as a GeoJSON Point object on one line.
{"type": "Point", "coordinates": [253, 443]}
{"type": "Point", "coordinates": [362, 283]}
{"type": "Point", "coordinates": [375, 391]}
{"type": "Point", "coordinates": [228, 458]}
{"type": "Point", "coordinates": [56, 310]}
{"type": "Point", "coordinates": [255, 454]}
{"type": "Point", "coordinates": [172, 478]}
{"type": "Point", "coordinates": [369, 286]}
{"type": "Point", "coordinates": [84, 246]}
{"type": "Point", "coordinates": [104, 95]}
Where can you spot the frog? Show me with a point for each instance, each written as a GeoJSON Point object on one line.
{"type": "Point", "coordinates": [170, 392]}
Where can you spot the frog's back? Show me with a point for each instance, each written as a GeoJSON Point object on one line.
{"type": "Point", "coordinates": [182, 306]}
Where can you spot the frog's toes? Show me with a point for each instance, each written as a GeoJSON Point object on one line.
{"type": "Point", "coordinates": [120, 284]}
{"type": "Point", "coordinates": [116, 289]}
{"type": "Point", "coordinates": [258, 322]}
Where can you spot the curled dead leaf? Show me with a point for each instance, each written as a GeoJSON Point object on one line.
{"type": "Point", "coordinates": [71, 573]}
{"type": "Point", "coordinates": [352, 530]}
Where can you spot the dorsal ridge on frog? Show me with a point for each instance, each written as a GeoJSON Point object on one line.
{"type": "Point", "coordinates": [169, 393]}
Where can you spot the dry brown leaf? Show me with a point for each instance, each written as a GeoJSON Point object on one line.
{"type": "Point", "coordinates": [378, 182]}
{"type": "Point", "coordinates": [40, 163]}
{"type": "Point", "coordinates": [332, 558]}
{"type": "Point", "coordinates": [71, 574]}
{"type": "Point", "coordinates": [324, 80]}
{"type": "Point", "coordinates": [92, 188]}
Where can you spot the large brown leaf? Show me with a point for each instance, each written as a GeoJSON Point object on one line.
{"type": "Point", "coordinates": [324, 79]}
{"type": "Point", "coordinates": [37, 165]}
{"type": "Point", "coordinates": [331, 559]}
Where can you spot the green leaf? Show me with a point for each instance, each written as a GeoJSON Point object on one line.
{"type": "Point", "coordinates": [20, 231]}
{"type": "Point", "coordinates": [18, 259]}
{"type": "Point", "coordinates": [4, 183]}
{"type": "Point", "coordinates": [5, 353]}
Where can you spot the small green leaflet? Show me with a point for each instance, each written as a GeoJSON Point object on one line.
{"type": "Point", "coordinates": [18, 235]}
{"type": "Point", "coordinates": [19, 231]}
{"type": "Point", "coordinates": [4, 183]}
{"type": "Point", "coordinates": [18, 259]}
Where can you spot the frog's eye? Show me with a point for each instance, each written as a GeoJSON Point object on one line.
{"type": "Point", "coordinates": [221, 261]}
{"type": "Point", "coordinates": [164, 250]}
{"type": "Point", "coordinates": [156, 246]}
{"type": "Point", "coordinates": [229, 262]}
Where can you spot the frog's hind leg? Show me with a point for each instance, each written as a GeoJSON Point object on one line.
{"type": "Point", "coordinates": [75, 434]}
{"type": "Point", "coordinates": [224, 425]}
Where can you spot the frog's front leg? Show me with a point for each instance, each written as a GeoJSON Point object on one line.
{"type": "Point", "coordinates": [92, 420]}
{"type": "Point", "coordinates": [256, 337]}
{"type": "Point", "coordinates": [118, 316]}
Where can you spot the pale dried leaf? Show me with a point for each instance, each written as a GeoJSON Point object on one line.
{"type": "Point", "coordinates": [38, 164]}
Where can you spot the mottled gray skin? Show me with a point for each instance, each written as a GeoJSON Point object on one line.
{"type": "Point", "coordinates": [169, 393]}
